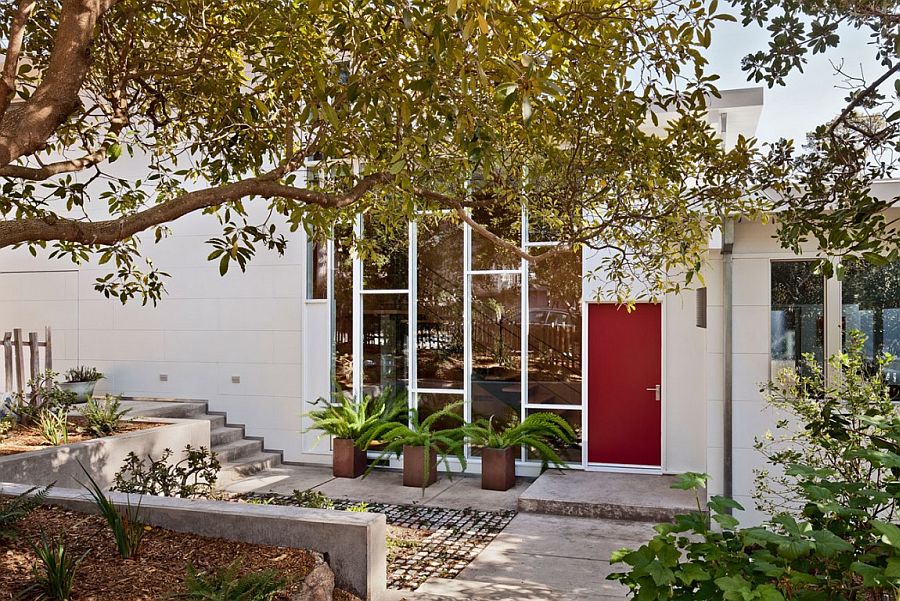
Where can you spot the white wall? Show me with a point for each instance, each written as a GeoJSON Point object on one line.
{"type": "Point", "coordinates": [204, 331]}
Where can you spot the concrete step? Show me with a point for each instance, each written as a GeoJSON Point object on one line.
{"type": "Point", "coordinates": [613, 496]}
{"type": "Point", "coordinates": [215, 421]}
{"type": "Point", "coordinates": [247, 466]}
{"type": "Point", "coordinates": [224, 435]}
{"type": "Point", "coordinates": [233, 451]}
{"type": "Point", "coordinates": [173, 409]}
{"type": "Point", "coordinates": [441, 589]}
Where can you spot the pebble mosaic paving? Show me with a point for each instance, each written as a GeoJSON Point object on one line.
{"type": "Point", "coordinates": [425, 541]}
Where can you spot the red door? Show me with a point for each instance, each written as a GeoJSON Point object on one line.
{"type": "Point", "coordinates": [624, 368]}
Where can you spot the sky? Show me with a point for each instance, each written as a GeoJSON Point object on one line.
{"type": "Point", "coordinates": [809, 98]}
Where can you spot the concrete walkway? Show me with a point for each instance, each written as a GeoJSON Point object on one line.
{"type": "Point", "coordinates": [544, 557]}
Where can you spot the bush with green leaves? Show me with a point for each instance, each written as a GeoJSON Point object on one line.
{"type": "Point", "coordinates": [361, 421]}
{"type": "Point", "coordinates": [103, 417]}
{"type": "Point", "coordinates": [82, 373]}
{"type": "Point", "coordinates": [227, 584]}
{"type": "Point", "coordinates": [543, 433]}
{"type": "Point", "coordinates": [835, 539]}
{"type": "Point", "coordinates": [54, 572]}
{"type": "Point", "coordinates": [42, 393]}
{"type": "Point", "coordinates": [194, 476]}
{"type": "Point", "coordinates": [14, 509]}
{"type": "Point", "coordinates": [312, 499]}
{"type": "Point", "coordinates": [126, 525]}
{"type": "Point", "coordinates": [53, 424]}
{"type": "Point", "coordinates": [426, 432]}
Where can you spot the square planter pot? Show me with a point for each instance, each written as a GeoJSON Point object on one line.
{"type": "Point", "coordinates": [347, 461]}
{"type": "Point", "coordinates": [414, 467]}
{"type": "Point", "coordinates": [498, 468]}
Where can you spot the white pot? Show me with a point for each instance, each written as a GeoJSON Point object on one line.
{"type": "Point", "coordinates": [83, 390]}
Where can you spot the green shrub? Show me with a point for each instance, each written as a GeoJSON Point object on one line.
{"type": "Point", "coordinates": [16, 508]}
{"type": "Point", "coordinates": [193, 477]}
{"type": "Point", "coordinates": [228, 585]}
{"type": "Point", "coordinates": [127, 528]}
{"type": "Point", "coordinates": [312, 499]}
{"type": "Point", "coordinates": [835, 536]}
{"type": "Point", "coordinates": [361, 421]}
{"type": "Point", "coordinates": [54, 572]}
{"type": "Point", "coordinates": [43, 393]}
{"type": "Point", "coordinates": [54, 424]}
{"type": "Point", "coordinates": [103, 416]}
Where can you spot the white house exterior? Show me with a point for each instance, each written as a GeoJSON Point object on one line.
{"type": "Point", "coordinates": [441, 320]}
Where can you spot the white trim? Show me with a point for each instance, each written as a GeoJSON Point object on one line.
{"type": "Point", "coordinates": [456, 391]}
{"type": "Point", "coordinates": [585, 357]}
{"type": "Point", "coordinates": [552, 406]}
{"type": "Point", "coordinates": [412, 315]}
{"type": "Point", "coordinates": [524, 323]}
{"type": "Point", "coordinates": [495, 271]}
{"type": "Point", "coordinates": [386, 291]}
{"type": "Point", "coordinates": [357, 314]}
{"type": "Point", "coordinates": [624, 469]}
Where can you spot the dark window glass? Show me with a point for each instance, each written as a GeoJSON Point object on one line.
{"type": "Point", "coordinates": [507, 224]}
{"type": "Point", "coordinates": [439, 327]}
{"type": "Point", "coordinates": [870, 301]}
{"type": "Point", "coordinates": [386, 265]}
{"type": "Point", "coordinates": [554, 330]}
{"type": "Point", "coordinates": [798, 314]}
{"type": "Point", "coordinates": [385, 343]}
{"type": "Point", "coordinates": [496, 346]}
{"type": "Point", "coordinates": [342, 312]}
{"type": "Point", "coordinates": [316, 270]}
{"type": "Point", "coordinates": [429, 403]}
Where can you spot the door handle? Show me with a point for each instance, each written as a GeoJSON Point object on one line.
{"type": "Point", "coordinates": [657, 390]}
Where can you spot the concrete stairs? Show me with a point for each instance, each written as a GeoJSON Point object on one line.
{"type": "Point", "coordinates": [240, 456]}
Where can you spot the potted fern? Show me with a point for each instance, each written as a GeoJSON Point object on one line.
{"type": "Point", "coordinates": [540, 432]}
{"type": "Point", "coordinates": [424, 444]}
{"type": "Point", "coordinates": [353, 426]}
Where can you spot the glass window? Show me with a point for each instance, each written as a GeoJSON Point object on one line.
{"type": "Point", "coordinates": [342, 312]}
{"type": "Point", "coordinates": [385, 343]}
{"type": "Point", "coordinates": [505, 223]}
{"type": "Point", "coordinates": [439, 327]}
{"type": "Point", "coordinates": [798, 314]}
{"type": "Point", "coordinates": [316, 270]}
{"type": "Point", "coordinates": [496, 346]}
{"type": "Point", "coordinates": [554, 330]}
{"type": "Point", "coordinates": [429, 403]}
{"type": "Point", "coordinates": [870, 299]}
{"type": "Point", "coordinates": [573, 417]}
{"type": "Point", "coordinates": [386, 265]}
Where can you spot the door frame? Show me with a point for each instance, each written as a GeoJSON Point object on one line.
{"type": "Point", "coordinates": [613, 467]}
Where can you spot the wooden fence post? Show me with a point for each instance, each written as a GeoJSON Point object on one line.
{"type": "Point", "coordinates": [20, 367]}
{"type": "Point", "coordinates": [8, 360]}
{"type": "Point", "coordinates": [48, 350]}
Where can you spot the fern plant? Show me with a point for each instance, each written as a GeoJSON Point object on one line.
{"type": "Point", "coordinates": [362, 421]}
{"type": "Point", "coordinates": [419, 432]}
{"type": "Point", "coordinates": [103, 417]}
{"type": "Point", "coordinates": [228, 585]}
{"type": "Point", "coordinates": [543, 433]}
{"type": "Point", "coordinates": [19, 507]}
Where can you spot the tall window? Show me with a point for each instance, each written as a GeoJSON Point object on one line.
{"type": "Point", "coordinates": [342, 312]}
{"type": "Point", "coordinates": [798, 314]}
{"type": "Point", "coordinates": [316, 270]}
{"type": "Point", "coordinates": [870, 303]}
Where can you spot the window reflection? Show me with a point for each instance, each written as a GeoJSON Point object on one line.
{"type": "Point", "coordinates": [316, 270]}
{"type": "Point", "coordinates": [506, 223]}
{"type": "Point", "coordinates": [554, 330]}
{"type": "Point", "coordinates": [439, 327]}
{"type": "Point", "coordinates": [429, 403]}
{"type": "Point", "coordinates": [870, 298]}
{"type": "Point", "coordinates": [386, 266]}
{"type": "Point", "coordinates": [798, 314]}
{"type": "Point", "coordinates": [496, 346]}
{"type": "Point", "coordinates": [385, 342]}
{"type": "Point", "coordinates": [573, 417]}
{"type": "Point", "coordinates": [342, 312]}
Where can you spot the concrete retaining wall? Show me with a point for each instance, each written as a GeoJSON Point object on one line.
{"type": "Point", "coordinates": [353, 543]}
{"type": "Point", "coordinates": [102, 457]}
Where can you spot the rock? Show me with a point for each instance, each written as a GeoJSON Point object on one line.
{"type": "Point", "coordinates": [318, 584]}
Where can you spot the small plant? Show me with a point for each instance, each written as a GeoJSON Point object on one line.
{"type": "Point", "coordinates": [193, 477]}
{"type": "Point", "coordinates": [54, 425]}
{"type": "Point", "coordinates": [44, 393]}
{"type": "Point", "coordinates": [422, 433]}
{"type": "Point", "coordinates": [312, 499]}
{"type": "Point", "coordinates": [361, 421]}
{"type": "Point", "coordinates": [539, 432]}
{"type": "Point", "coordinates": [54, 572]}
{"type": "Point", "coordinates": [103, 416]}
{"type": "Point", "coordinates": [83, 373]}
{"type": "Point", "coordinates": [18, 507]}
{"type": "Point", "coordinates": [227, 584]}
{"type": "Point", "coordinates": [127, 529]}
{"type": "Point", "coordinates": [361, 507]}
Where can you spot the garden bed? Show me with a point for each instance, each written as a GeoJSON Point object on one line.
{"type": "Point", "coordinates": [22, 439]}
{"type": "Point", "coordinates": [159, 570]}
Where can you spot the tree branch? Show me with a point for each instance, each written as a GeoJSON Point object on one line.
{"type": "Point", "coordinates": [53, 227]}
{"type": "Point", "coordinates": [860, 96]}
{"type": "Point", "coordinates": [27, 129]}
{"type": "Point", "coordinates": [13, 51]}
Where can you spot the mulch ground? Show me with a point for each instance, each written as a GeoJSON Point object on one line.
{"type": "Point", "coordinates": [22, 439]}
{"type": "Point", "coordinates": [157, 573]}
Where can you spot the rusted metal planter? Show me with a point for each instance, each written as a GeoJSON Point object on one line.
{"type": "Point", "coordinates": [347, 461]}
{"type": "Point", "coordinates": [498, 468]}
{"type": "Point", "coordinates": [414, 467]}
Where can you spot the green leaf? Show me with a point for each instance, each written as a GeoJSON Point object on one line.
{"type": "Point", "coordinates": [890, 533]}
{"type": "Point", "coordinates": [114, 152]}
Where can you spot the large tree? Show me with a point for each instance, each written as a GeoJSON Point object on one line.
{"type": "Point", "coordinates": [824, 187]}
{"type": "Point", "coordinates": [591, 112]}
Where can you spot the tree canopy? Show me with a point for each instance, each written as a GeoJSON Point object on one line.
{"type": "Point", "coordinates": [591, 113]}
